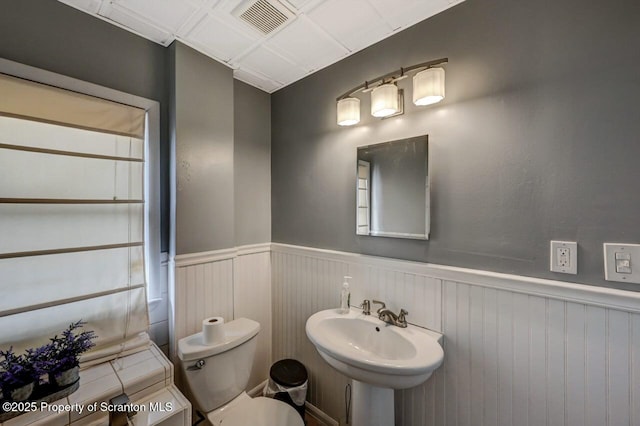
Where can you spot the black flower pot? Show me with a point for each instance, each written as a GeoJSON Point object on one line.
{"type": "Point", "coordinates": [65, 378]}
{"type": "Point", "coordinates": [22, 393]}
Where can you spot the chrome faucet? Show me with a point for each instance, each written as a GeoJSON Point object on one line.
{"type": "Point", "coordinates": [366, 307]}
{"type": "Point", "coordinates": [389, 317]}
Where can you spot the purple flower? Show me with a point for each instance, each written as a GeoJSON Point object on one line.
{"type": "Point", "coordinates": [40, 359]}
{"type": "Point", "coordinates": [60, 354]}
{"type": "Point", "coordinates": [65, 351]}
{"type": "Point", "coordinates": [17, 370]}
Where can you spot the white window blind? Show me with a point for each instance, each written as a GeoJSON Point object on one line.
{"type": "Point", "coordinates": [71, 218]}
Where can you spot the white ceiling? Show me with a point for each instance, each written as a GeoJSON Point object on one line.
{"type": "Point", "coordinates": [319, 32]}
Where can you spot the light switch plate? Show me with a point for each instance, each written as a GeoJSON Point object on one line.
{"type": "Point", "coordinates": [564, 257]}
{"type": "Point", "coordinates": [622, 262]}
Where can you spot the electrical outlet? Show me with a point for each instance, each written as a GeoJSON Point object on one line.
{"type": "Point", "coordinates": [564, 257]}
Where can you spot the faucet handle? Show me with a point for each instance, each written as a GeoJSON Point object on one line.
{"type": "Point", "coordinates": [401, 316]}
{"type": "Point", "coordinates": [366, 307]}
{"type": "Point", "coordinates": [382, 305]}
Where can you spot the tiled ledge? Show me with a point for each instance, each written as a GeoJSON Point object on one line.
{"type": "Point", "coordinates": [146, 377]}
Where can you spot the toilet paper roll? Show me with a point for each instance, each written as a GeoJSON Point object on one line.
{"type": "Point", "coordinates": [212, 330]}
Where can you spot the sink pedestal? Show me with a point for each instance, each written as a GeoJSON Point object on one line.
{"type": "Point", "coordinates": [371, 405]}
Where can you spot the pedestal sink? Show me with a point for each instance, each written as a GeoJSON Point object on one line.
{"type": "Point", "coordinates": [378, 357]}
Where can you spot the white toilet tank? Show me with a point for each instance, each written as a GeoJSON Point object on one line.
{"type": "Point", "coordinates": [218, 373]}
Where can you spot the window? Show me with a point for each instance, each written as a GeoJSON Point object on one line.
{"type": "Point", "coordinates": [363, 196]}
{"type": "Point", "coordinates": [72, 217]}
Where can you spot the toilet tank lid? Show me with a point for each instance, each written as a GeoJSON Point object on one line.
{"type": "Point", "coordinates": [236, 332]}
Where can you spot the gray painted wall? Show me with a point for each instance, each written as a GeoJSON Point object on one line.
{"type": "Point", "coordinates": [252, 164]}
{"type": "Point", "coordinates": [202, 129]}
{"type": "Point", "coordinates": [537, 138]}
{"type": "Point", "coordinates": [55, 37]}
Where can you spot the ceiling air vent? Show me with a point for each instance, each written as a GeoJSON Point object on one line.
{"type": "Point", "coordinates": [263, 15]}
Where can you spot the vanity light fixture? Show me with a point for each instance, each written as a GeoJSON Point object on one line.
{"type": "Point", "coordinates": [428, 86]}
{"type": "Point", "coordinates": [387, 99]}
{"type": "Point", "coordinates": [384, 100]}
{"type": "Point", "coordinates": [348, 111]}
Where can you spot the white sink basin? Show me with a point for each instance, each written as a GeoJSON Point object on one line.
{"type": "Point", "coordinates": [368, 350]}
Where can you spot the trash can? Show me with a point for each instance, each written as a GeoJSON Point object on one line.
{"type": "Point", "coordinates": [288, 383]}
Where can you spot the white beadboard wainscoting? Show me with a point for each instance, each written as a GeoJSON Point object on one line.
{"type": "Point", "coordinates": [230, 283]}
{"type": "Point", "coordinates": [252, 299]}
{"type": "Point", "coordinates": [519, 351]}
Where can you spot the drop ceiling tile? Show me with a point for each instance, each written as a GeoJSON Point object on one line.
{"type": "Point", "coordinates": [138, 26]}
{"type": "Point", "coordinates": [305, 45]}
{"type": "Point", "coordinates": [321, 32]}
{"type": "Point", "coordinates": [271, 65]}
{"type": "Point", "coordinates": [298, 4]}
{"type": "Point", "coordinates": [220, 39]}
{"type": "Point", "coordinates": [413, 12]}
{"type": "Point", "coordinates": [354, 23]}
{"type": "Point", "coordinates": [169, 14]}
{"type": "Point", "coordinates": [227, 6]}
{"type": "Point", "coordinates": [90, 6]}
{"type": "Point", "coordinates": [252, 78]}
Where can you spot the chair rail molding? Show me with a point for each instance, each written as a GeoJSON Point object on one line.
{"type": "Point", "coordinates": [189, 259]}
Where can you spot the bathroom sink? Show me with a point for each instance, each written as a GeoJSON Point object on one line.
{"type": "Point", "coordinates": [368, 350]}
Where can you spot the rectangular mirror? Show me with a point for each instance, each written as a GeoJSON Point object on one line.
{"type": "Point", "coordinates": [392, 189]}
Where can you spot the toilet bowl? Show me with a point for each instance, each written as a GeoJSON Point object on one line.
{"type": "Point", "coordinates": [260, 411]}
{"type": "Point", "coordinates": [217, 375]}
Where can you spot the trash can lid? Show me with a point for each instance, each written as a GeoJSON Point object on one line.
{"type": "Point", "coordinates": [288, 372]}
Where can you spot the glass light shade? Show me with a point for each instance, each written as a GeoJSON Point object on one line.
{"type": "Point", "coordinates": [348, 111]}
{"type": "Point", "coordinates": [384, 100]}
{"type": "Point", "coordinates": [428, 86]}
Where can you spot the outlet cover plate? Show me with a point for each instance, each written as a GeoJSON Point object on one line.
{"type": "Point", "coordinates": [564, 257]}
{"type": "Point", "coordinates": [629, 252]}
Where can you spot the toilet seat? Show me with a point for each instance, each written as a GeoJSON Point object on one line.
{"type": "Point", "coordinates": [258, 411]}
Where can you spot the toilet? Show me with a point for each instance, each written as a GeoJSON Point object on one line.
{"type": "Point", "coordinates": [217, 375]}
